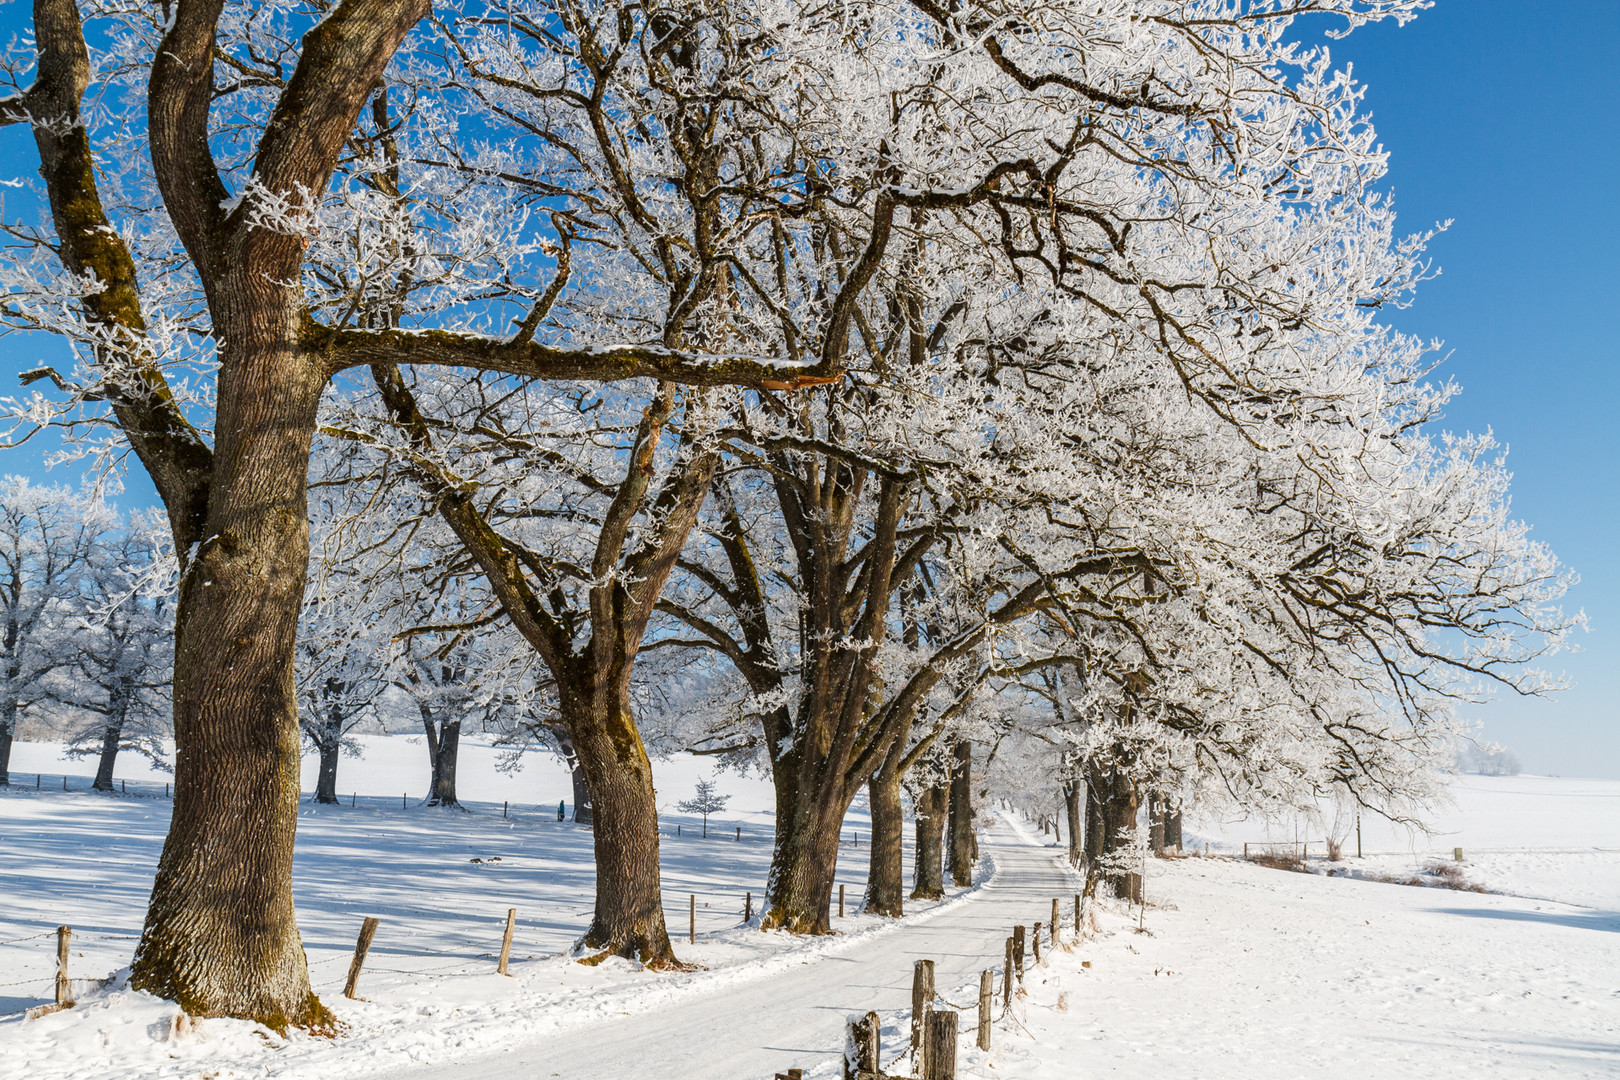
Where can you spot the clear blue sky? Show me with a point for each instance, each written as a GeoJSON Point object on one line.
{"type": "Point", "coordinates": [1503, 115]}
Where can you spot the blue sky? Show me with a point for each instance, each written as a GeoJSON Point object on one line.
{"type": "Point", "coordinates": [1504, 116]}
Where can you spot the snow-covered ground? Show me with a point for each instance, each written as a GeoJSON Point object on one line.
{"type": "Point", "coordinates": [1255, 973]}
{"type": "Point", "coordinates": [1244, 971]}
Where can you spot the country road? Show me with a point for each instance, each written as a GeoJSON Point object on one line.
{"type": "Point", "coordinates": [753, 1029]}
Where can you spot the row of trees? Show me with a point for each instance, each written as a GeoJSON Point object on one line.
{"type": "Point", "coordinates": [835, 388]}
{"type": "Point", "coordinates": [86, 630]}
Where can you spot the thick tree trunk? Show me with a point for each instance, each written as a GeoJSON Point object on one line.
{"type": "Point", "coordinates": [961, 814]}
{"type": "Point", "coordinates": [1074, 810]}
{"type": "Point", "coordinates": [1172, 829]}
{"type": "Point", "coordinates": [8, 727]}
{"type": "Point", "coordinates": [582, 791]}
{"type": "Point", "coordinates": [1094, 820]}
{"type": "Point", "coordinates": [804, 860]}
{"type": "Point", "coordinates": [1156, 816]}
{"type": "Point", "coordinates": [582, 795]}
{"type": "Point", "coordinates": [628, 919]}
{"type": "Point", "coordinates": [326, 778]}
{"type": "Point", "coordinates": [220, 935]}
{"type": "Point", "coordinates": [885, 883]}
{"type": "Point", "coordinates": [443, 792]}
{"type": "Point", "coordinates": [111, 736]}
{"type": "Point", "coordinates": [929, 875]}
{"type": "Point", "coordinates": [5, 755]}
{"type": "Point", "coordinates": [1120, 808]}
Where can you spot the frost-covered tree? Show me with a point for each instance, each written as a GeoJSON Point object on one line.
{"type": "Point", "coordinates": [122, 650]}
{"type": "Point", "coordinates": [708, 800]}
{"type": "Point", "coordinates": [49, 542]}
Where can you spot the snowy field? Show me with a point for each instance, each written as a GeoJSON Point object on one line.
{"type": "Point", "coordinates": [1244, 971]}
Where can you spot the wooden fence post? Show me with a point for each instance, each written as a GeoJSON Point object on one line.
{"type": "Point", "coordinates": [739, 834]}
{"type": "Point", "coordinates": [362, 946]}
{"type": "Point", "coordinates": [1054, 923]}
{"type": "Point", "coordinates": [939, 1047]}
{"type": "Point", "coordinates": [506, 940]}
{"type": "Point", "coordinates": [987, 991]}
{"type": "Point", "coordinates": [922, 996]}
{"type": "Point", "coordinates": [691, 927]}
{"type": "Point", "coordinates": [1036, 939]}
{"type": "Point", "coordinates": [64, 989]}
{"type": "Point", "coordinates": [1018, 951]}
{"type": "Point", "coordinates": [1456, 855]}
{"type": "Point", "coordinates": [1007, 975]}
{"type": "Point", "coordinates": [840, 901]}
{"type": "Point", "coordinates": [748, 907]}
{"type": "Point", "coordinates": [1077, 917]}
{"type": "Point", "coordinates": [504, 805]}
{"type": "Point", "coordinates": [863, 1050]}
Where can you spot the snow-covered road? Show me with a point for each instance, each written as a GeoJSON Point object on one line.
{"type": "Point", "coordinates": [755, 1028]}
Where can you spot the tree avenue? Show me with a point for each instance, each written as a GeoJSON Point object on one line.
{"type": "Point", "coordinates": [904, 397]}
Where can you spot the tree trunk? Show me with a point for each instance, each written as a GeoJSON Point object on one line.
{"type": "Point", "coordinates": [111, 735]}
{"type": "Point", "coordinates": [1156, 816]}
{"type": "Point", "coordinates": [804, 860]}
{"type": "Point", "coordinates": [961, 814]}
{"type": "Point", "coordinates": [1119, 811]}
{"type": "Point", "coordinates": [628, 919]}
{"type": "Point", "coordinates": [443, 792]}
{"type": "Point", "coordinates": [582, 791]}
{"type": "Point", "coordinates": [5, 755]}
{"type": "Point", "coordinates": [221, 937]}
{"type": "Point", "coordinates": [930, 825]}
{"type": "Point", "coordinates": [1172, 829]}
{"type": "Point", "coordinates": [8, 725]}
{"type": "Point", "coordinates": [1074, 810]}
{"type": "Point", "coordinates": [326, 778]}
{"type": "Point", "coordinates": [1094, 820]}
{"type": "Point", "coordinates": [885, 884]}
{"type": "Point", "coordinates": [582, 795]}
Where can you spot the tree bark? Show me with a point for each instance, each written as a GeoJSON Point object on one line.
{"type": "Point", "coordinates": [1172, 829]}
{"type": "Point", "coordinates": [5, 754]}
{"type": "Point", "coordinates": [1156, 816]}
{"type": "Point", "coordinates": [810, 808]}
{"type": "Point", "coordinates": [929, 874]}
{"type": "Point", "coordinates": [444, 743]}
{"type": "Point", "coordinates": [326, 778]}
{"type": "Point", "coordinates": [220, 935]}
{"type": "Point", "coordinates": [1074, 810]}
{"type": "Point", "coordinates": [885, 885]}
{"type": "Point", "coordinates": [961, 814]}
{"type": "Point", "coordinates": [111, 736]}
{"type": "Point", "coordinates": [628, 919]}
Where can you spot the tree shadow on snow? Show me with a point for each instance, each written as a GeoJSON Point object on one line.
{"type": "Point", "coordinates": [1598, 920]}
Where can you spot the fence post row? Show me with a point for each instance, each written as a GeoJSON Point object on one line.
{"type": "Point", "coordinates": [1007, 975]}
{"type": "Point", "coordinates": [362, 946]}
{"type": "Point", "coordinates": [987, 992]}
{"type": "Point", "coordinates": [64, 989]}
{"type": "Point", "coordinates": [939, 1046]}
{"type": "Point", "coordinates": [922, 995]}
{"type": "Point", "coordinates": [863, 1048]}
{"type": "Point", "coordinates": [506, 940]}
